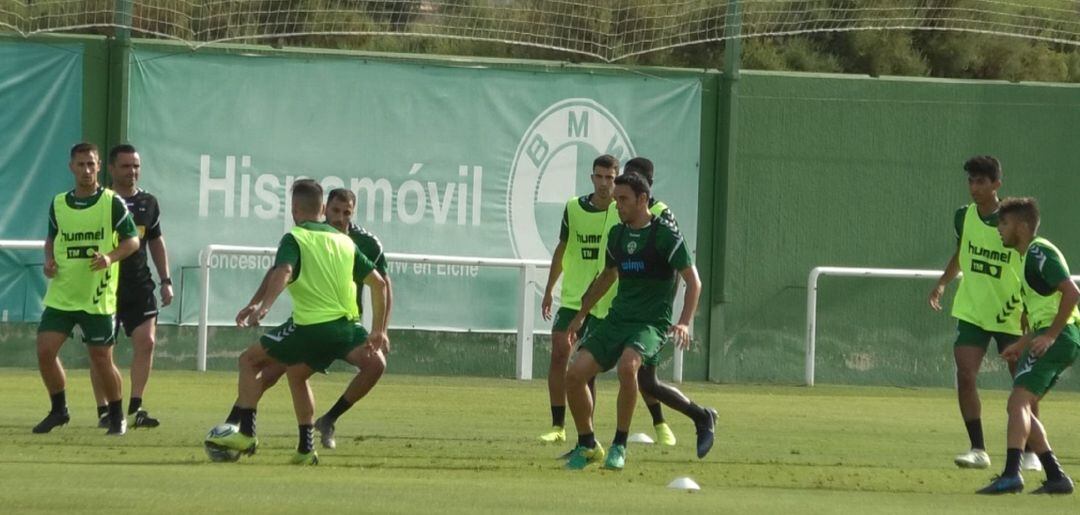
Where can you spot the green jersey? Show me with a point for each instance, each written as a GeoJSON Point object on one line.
{"type": "Point", "coordinates": [371, 248]}
{"type": "Point", "coordinates": [318, 295]}
{"type": "Point", "coordinates": [1044, 269]}
{"type": "Point", "coordinates": [648, 261]}
{"type": "Point", "coordinates": [989, 292]}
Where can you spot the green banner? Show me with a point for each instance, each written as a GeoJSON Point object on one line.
{"type": "Point", "coordinates": [40, 119]}
{"type": "Point", "coordinates": [446, 160]}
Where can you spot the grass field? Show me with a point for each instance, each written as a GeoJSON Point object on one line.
{"type": "Point", "coordinates": [466, 445]}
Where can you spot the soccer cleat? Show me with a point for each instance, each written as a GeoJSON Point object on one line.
{"type": "Point", "coordinates": [310, 458]}
{"type": "Point", "coordinates": [581, 456]}
{"type": "Point", "coordinates": [664, 435]}
{"type": "Point", "coordinates": [566, 455]}
{"type": "Point", "coordinates": [143, 419]}
{"type": "Point", "coordinates": [236, 441]}
{"type": "Point", "coordinates": [103, 421]}
{"type": "Point", "coordinates": [1063, 486]}
{"type": "Point", "coordinates": [973, 459]}
{"type": "Point", "coordinates": [326, 432]}
{"type": "Point", "coordinates": [117, 427]}
{"type": "Point", "coordinates": [1030, 461]}
{"type": "Point", "coordinates": [616, 458]}
{"type": "Point", "coordinates": [706, 433]}
{"type": "Point", "coordinates": [1004, 485]}
{"type": "Point", "coordinates": [50, 421]}
{"type": "Point", "coordinates": [557, 434]}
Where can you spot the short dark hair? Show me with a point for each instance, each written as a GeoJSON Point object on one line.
{"type": "Point", "coordinates": [1024, 209]}
{"type": "Point", "coordinates": [983, 166]}
{"type": "Point", "coordinates": [84, 147]}
{"type": "Point", "coordinates": [307, 194]}
{"type": "Point", "coordinates": [123, 148]}
{"type": "Point", "coordinates": [342, 194]}
{"type": "Point", "coordinates": [640, 165]}
{"type": "Point", "coordinates": [606, 161]}
{"type": "Point", "coordinates": [636, 182]}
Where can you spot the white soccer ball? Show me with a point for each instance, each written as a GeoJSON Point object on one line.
{"type": "Point", "coordinates": [216, 452]}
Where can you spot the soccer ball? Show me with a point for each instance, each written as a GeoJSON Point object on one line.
{"type": "Point", "coordinates": [216, 452]}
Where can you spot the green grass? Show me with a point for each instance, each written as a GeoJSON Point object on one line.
{"type": "Point", "coordinates": [466, 445]}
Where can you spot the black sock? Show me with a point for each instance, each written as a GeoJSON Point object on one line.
{"type": "Point", "coordinates": [975, 433]}
{"type": "Point", "coordinates": [134, 405]}
{"type": "Point", "coordinates": [307, 439]}
{"type": "Point", "coordinates": [657, 413]}
{"type": "Point", "coordinates": [620, 438]}
{"type": "Point", "coordinates": [234, 416]}
{"type": "Point", "coordinates": [338, 409]}
{"type": "Point", "coordinates": [116, 410]}
{"type": "Point", "coordinates": [587, 440]}
{"type": "Point", "coordinates": [558, 416]}
{"type": "Point", "coordinates": [1012, 463]}
{"type": "Point", "coordinates": [102, 410]}
{"type": "Point", "coordinates": [247, 421]}
{"type": "Point", "coordinates": [59, 402]}
{"type": "Point", "coordinates": [1051, 466]}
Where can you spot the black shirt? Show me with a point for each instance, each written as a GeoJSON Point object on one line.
{"type": "Point", "coordinates": [134, 270]}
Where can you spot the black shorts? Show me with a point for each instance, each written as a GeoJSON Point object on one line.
{"type": "Point", "coordinates": [135, 305]}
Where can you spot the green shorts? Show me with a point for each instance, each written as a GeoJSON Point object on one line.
{"type": "Point", "coordinates": [607, 339]}
{"type": "Point", "coordinates": [564, 316]}
{"type": "Point", "coordinates": [316, 345]}
{"type": "Point", "coordinates": [1038, 375]}
{"type": "Point", "coordinates": [97, 330]}
{"type": "Point", "coordinates": [971, 335]}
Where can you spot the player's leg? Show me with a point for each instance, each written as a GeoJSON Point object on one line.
{"type": "Point", "coordinates": [102, 365]}
{"type": "Point", "coordinates": [99, 400]}
{"type": "Point", "coordinates": [1019, 409]}
{"type": "Point", "coordinates": [704, 418]}
{"type": "Point", "coordinates": [1029, 460]}
{"type": "Point", "coordinates": [1057, 482]}
{"type": "Point", "coordinates": [304, 407]}
{"type": "Point", "coordinates": [371, 364]}
{"type": "Point", "coordinates": [968, 351]}
{"type": "Point", "coordinates": [627, 369]}
{"type": "Point", "coordinates": [143, 340]}
{"type": "Point", "coordinates": [561, 349]}
{"type": "Point", "coordinates": [50, 338]}
{"type": "Point", "coordinates": [664, 434]}
{"type": "Point", "coordinates": [268, 377]}
{"type": "Point", "coordinates": [582, 368]}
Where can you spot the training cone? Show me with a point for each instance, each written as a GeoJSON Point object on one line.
{"type": "Point", "coordinates": [639, 438]}
{"type": "Point", "coordinates": [684, 483]}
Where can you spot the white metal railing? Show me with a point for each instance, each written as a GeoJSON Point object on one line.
{"type": "Point", "coordinates": [526, 305]}
{"type": "Point", "coordinates": [525, 309]}
{"type": "Point", "coordinates": [837, 271]}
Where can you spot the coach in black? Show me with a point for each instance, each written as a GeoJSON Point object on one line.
{"type": "Point", "coordinates": [136, 308]}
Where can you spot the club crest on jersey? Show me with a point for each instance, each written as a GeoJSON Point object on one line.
{"type": "Point", "coordinates": [552, 164]}
{"type": "Point", "coordinates": [631, 247]}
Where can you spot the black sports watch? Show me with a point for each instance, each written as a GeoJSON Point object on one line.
{"type": "Point", "coordinates": [166, 282]}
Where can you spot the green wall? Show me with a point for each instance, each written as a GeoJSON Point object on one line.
{"type": "Point", "coordinates": [858, 171]}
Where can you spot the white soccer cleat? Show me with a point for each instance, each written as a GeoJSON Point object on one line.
{"type": "Point", "coordinates": [1030, 461]}
{"type": "Point", "coordinates": [973, 459]}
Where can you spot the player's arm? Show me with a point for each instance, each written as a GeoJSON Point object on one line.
{"type": "Point", "coordinates": [161, 263]}
{"type": "Point", "coordinates": [50, 257]}
{"type": "Point", "coordinates": [124, 226]}
{"type": "Point", "coordinates": [380, 312]}
{"type": "Point", "coordinates": [256, 299]}
{"type": "Point", "coordinates": [951, 271]}
{"type": "Point", "coordinates": [275, 282]}
{"type": "Point", "coordinates": [553, 277]}
{"type": "Point", "coordinates": [1069, 297]}
{"type": "Point", "coordinates": [593, 294]}
{"type": "Point", "coordinates": [681, 330]}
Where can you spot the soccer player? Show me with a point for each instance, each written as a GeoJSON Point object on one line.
{"type": "Point", "coordinates": [653, 390]}
{"type": "Point", "coordinates": [646, 254]}
{"type": "Point", "coordinates": [987, 303]}
{"type": "Point", "coordinates": [320, 266]}
{"type": "Point", "coordinates": [136, 308]}
{"type": "Point", "coordinates": [90, 231]}
{"type": "Point", "coordinates": [1051, 345]}
{"type": "Point", "coordinates": [370, 359]}
{"type": "Point", "coordinates": [577, 258]}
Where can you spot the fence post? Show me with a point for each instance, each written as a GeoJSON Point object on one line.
{"type": "Point", "coordinates": [204, 307]}
{"type": "Point", "coordinates": [526, 315]}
